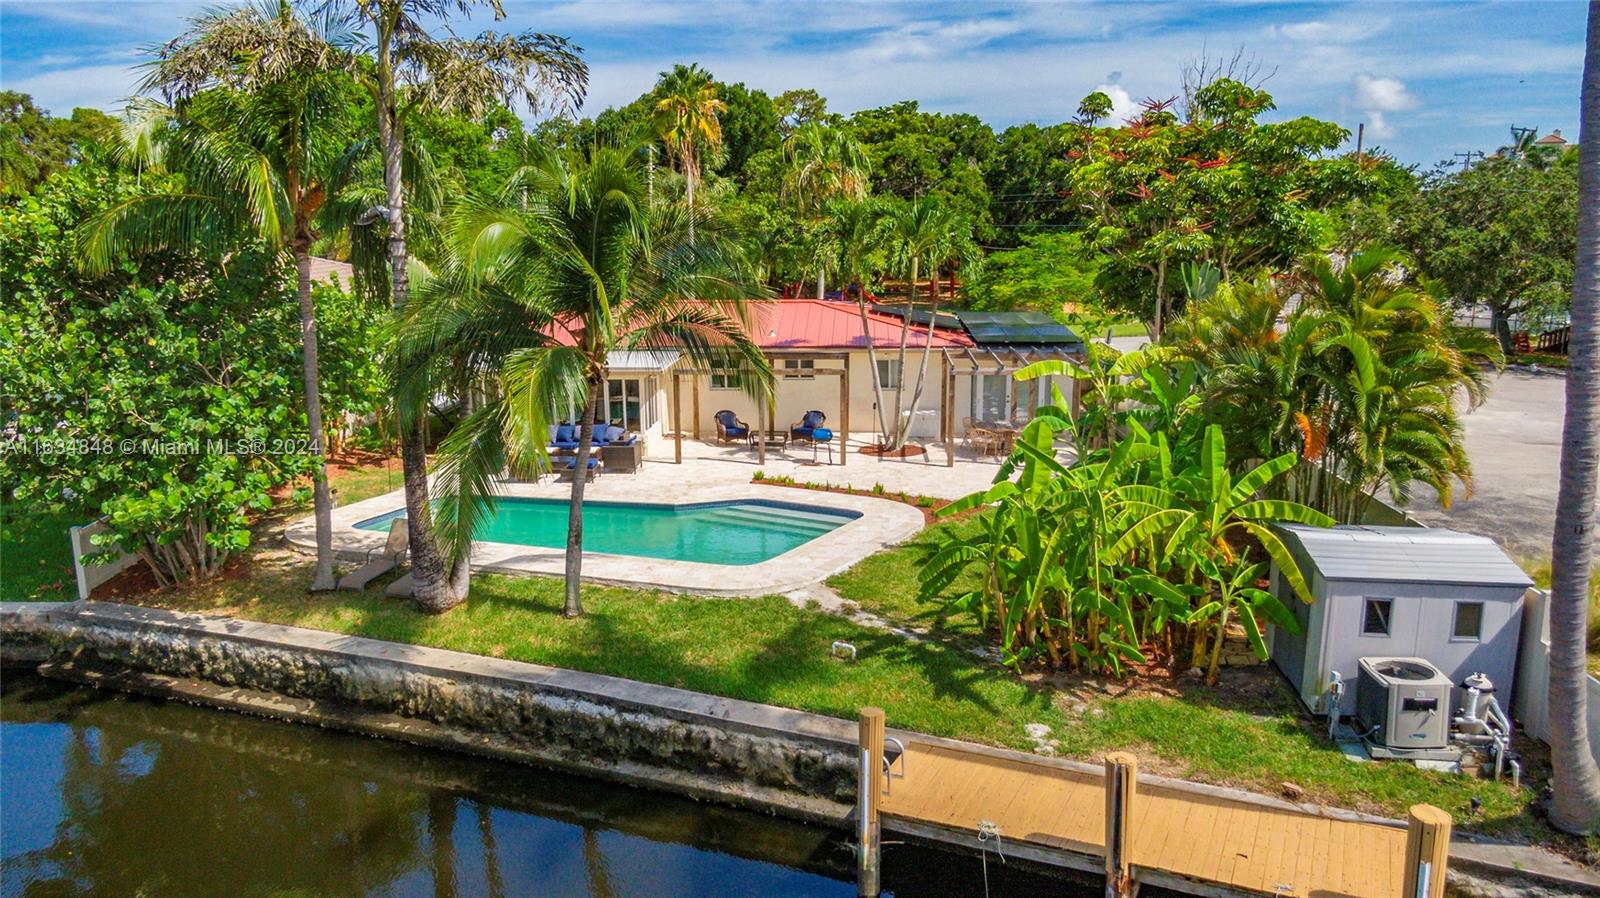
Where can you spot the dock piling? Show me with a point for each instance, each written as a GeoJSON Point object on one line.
{"type": "Point", "coordinates": [1427, 851]}
{"type": "Point", "coordinates": [1122, 774]}
{"type": "Point", "coordinates": [868, 833]}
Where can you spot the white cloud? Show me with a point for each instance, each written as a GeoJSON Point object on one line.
{"type": "Point", "coordinates": [1344, 31]}
{"type": "Point", "coordinates": [1377, 96]}
{"type": "Point", "coordinates": [1123, 106]}
{"type": "Point", "coordinates": [60, 91]}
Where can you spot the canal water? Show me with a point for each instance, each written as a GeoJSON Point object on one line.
{"type": "Point", "coordinates": [103, 794]}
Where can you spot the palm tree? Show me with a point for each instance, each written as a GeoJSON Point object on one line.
{"type": "Point", "coordinates": [267, 162]}
{"type": "Point", "coordinates": [1362, 379]}
{"type": "Point", "coordinates": [1576, 807]}
{"type": "Point", "coordinates": [852, 244]}
{"type": "Point", "coordinates": [824, 165]}
{"type": "Point", "coordinates": [569, 265]}
{"type": "Point", "coordinates": [686, 121]}
{"type": "Point", "coordinates": [920, 232]}
{"type": "Point", "coordinates": [413, 68]}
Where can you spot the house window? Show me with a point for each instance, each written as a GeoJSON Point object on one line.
{"type": "Point", "coordinates": [1469, 621]}
{"type": "Point", "coordinates": [889, 373]}
{"type": "Point", "coordinates": [622, 403]}
{"type": "Point", "coordinates": [991, 397]}
{"type": "Point", "coordinates": [723, 382]}
{"type": "Point", "coordinates": [791, 367]}
{"type": "Point", "coordinates": [1375, 619]}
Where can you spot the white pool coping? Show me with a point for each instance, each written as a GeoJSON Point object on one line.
{"type": "Point", "coordinates": [882, 523]}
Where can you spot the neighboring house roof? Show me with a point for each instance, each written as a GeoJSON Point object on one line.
{"type": "Point", "coordinates": [1554, 138]}
{"type": "Point", "coordinates": [1405, 555]}
{"type": "Point", "coordinates": [330, 271]}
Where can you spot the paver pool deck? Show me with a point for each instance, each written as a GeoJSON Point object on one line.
{"type": "Point", "coordinates": [882, 523]}
{"type": "Point", "coordinates": [712, 473]}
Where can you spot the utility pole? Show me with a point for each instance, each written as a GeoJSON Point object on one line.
{"type": "Point", "coordinates": [1361, 135]}
{"type": "Point", "coordinates": [1466, 158]}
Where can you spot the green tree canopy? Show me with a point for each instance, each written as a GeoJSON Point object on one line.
{"type": "Point", "coordinates": [1221, 187]}
{"type": "Point", "coordinates": [1499, 234]}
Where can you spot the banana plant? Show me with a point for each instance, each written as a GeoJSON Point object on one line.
{"type": "Point", "coordinates": [1201, 515]}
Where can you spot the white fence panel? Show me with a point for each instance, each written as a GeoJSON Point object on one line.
{"type": "Point", "coordinates": [92, 575]}
{"type": "Point", "coordinates": [1533, 674]}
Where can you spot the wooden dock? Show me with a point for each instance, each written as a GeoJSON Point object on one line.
{"type": "Point", "coordinates": [1183, 838]}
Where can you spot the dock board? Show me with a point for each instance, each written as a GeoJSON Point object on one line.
{"type": "Point", "coordinates": [1235, 845]}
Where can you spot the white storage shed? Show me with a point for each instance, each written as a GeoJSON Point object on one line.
{"type": "Point", "coordinates": [1451, 598]}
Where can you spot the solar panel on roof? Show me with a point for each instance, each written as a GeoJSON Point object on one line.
{"type": "Point", "coordinates": [1016, 327]}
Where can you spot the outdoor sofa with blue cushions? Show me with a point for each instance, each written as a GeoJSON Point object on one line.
{"type": "Point", "coordinates": [566, 436]}
{"type": "Point", "coordinates": [730, 428]}
{"type": "Point", "coordinates": [809, 422]}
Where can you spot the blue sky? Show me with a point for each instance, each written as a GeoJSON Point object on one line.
{"type": "Point", "coordinates": [1428, 79]}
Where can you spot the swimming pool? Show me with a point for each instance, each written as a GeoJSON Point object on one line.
{"type": "Point", "coordinates": [734, 532]}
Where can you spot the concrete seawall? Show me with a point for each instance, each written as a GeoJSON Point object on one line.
{"type": "Point", "coordinates": [786, 762]}
{"type": "Point", "coordinates": [707, 747]}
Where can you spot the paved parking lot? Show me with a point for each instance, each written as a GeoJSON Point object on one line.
{"type": "Point", "coordinates": [1514, 441]}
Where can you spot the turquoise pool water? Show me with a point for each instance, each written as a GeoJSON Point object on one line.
{"type": "Point", "coordinates": [734, 533]}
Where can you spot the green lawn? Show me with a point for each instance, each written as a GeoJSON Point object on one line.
{"type": "Point", "coordinates": [35, 554]}
{"type": "Point", "coordinates": [886, 583]}
{"type": "Point", "coordinates": [762, 649]}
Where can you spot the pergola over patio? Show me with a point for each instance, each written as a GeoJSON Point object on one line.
{"type": "Point", "coordinates": [838, 365]}
{"type": "Point", "coordinates": [991, 359]}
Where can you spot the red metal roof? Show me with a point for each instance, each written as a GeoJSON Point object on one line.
{"type": "Point", "coordinates": [819, 324]}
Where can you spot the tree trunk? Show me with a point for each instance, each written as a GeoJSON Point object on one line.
{"type": "Point", "coordinates": [1500, 323]}
{"type": "Point", "coordinates": [321, 499]}
{"type": "Point", "coordinates": [1576, 805]}
{"type": "Point", "coordinates": [927, 351]}
{"type": "Point", "coordinates": [580, 476]}
{"type": "Point", "coordinates": [821, 276]}
{"type": "Point", "coordinates": [896, 437]}
{"type": "Point", "coordinates": [1216, 650]}
{"type": "Point", "coordinates": [688, 178]}
{"type": "Point", "coordinates": [872, 362]}
{"type": "Point", "coordinates": [432, 584]}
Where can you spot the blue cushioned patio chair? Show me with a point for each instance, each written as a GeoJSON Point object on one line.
{"type": "Point", "coordinates": [570, 469]}
{"type": "Point", "coordinates": [803, 429]}
{"type": "Point", "coordinates": [730, 428]}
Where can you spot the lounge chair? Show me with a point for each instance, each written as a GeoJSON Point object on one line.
{"type": "Point", "coordinates": [730, 428]}
{"type": "Point", "coordinates": [401, 588]}
{"type": "Point", "coordinates": [802, 429]}
{"type": "Point", "coordinates": [380, 560]}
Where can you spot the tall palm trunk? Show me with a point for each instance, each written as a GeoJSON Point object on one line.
{"type": "Point", "coordinates": [580, 476]}
{"type": "Point", "coordinates": [927, 352]}
{"type": "Point", "coordinates": [896, 438]}
{"type": "Point", "coordinates": [1576, 807]}
{"type": "Point", "coordinates": [689, 173]}
{"type": "Point", "coordinates": [435, 585]}
{"type": "Point", "coordinates": [322, 500]}
{"type": "Point", "coordinates": [872, 362]}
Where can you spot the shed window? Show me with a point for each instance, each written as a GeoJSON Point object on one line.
{"type": "Point", "coordinates": [1469, 621]}
{"type": "Point", "coordinates": [723, 382]}
{"type": "Point", "coordinates": [1375, 620]}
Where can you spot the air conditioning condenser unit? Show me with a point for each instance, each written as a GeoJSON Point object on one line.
{"type": "Point", "coordinates": [1404, 703]}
